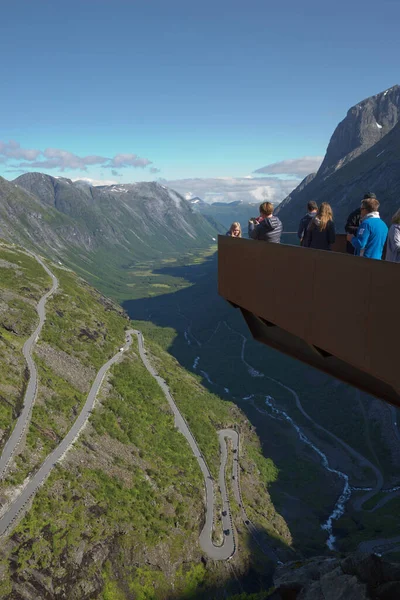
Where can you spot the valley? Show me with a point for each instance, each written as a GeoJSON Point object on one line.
{"type": "Point", "coordinates": [108, 492]}
{"type": "Point", "coordinates": [358, 461]}
{"type": "Point", "coordinates": [150, 448]}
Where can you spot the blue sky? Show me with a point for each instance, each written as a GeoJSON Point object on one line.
{"type": "Point", "coordinates": [197, 93]}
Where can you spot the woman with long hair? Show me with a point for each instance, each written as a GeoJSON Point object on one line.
{"type": "Point", "coordinates": [321, 233]}
{"type": "Point", "coordinates": [235, 230]}
{"type": "Point", "coordinates": [393, 240]}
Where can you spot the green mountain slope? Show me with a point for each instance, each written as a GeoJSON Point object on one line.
{"type": "Point", "coordinates": [120, 516]}
{"type": "Point", "coordinates": [22, 283]}
{"type": "Point", "coordinates": [98, 230]}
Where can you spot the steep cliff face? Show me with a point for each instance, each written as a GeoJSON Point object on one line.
{"type": "Point", "coordinates": [361, 157]}
{"type": "Point", "coordinates": [364, 125]}
{"type": "Point", "coordinates": [357, 577]}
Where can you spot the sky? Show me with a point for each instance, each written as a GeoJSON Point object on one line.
{"type": "Point", "coordinates": [222, 99]}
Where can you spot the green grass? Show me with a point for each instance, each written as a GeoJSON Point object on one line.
{"type": "Point", "coordinates": [23, 282]}
{"type": "Point", "coordinates": [81, 322]}
{"type": "Point", "coordinates": [364, 526]}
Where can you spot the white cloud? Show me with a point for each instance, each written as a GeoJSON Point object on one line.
{"type": "Point", "coordinates": [12, 149]}
{"type": "Point", "coordinates": [229, 189]}
{"type": "Point", "coordinates": [121, 161]}
{"type": "Point", "coordinates": [56, 158]}
{"type": "Point", "coordinates": [295, 167]}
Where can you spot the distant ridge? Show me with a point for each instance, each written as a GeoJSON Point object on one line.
{"type": "Point", "coordinates": [96, 228]}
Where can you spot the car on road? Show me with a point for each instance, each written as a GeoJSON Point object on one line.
{"type": "Point", "coordinates": [227, 532]}
{"type": "Point", "coordinates": [224, 513]}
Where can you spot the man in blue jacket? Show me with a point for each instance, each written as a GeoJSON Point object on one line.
{"type": "Point", "coordinates": [372, 232]}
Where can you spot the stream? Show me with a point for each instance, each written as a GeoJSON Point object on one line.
{"type": "Point", "coordinates": [274, 412]}
{"type": "Point", "coordinates": [344, 497]}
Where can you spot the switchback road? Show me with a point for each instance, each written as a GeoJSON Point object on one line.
{"type": "Point", "coordinates": [41, 475]}
{"type": "Point", "coordinates": [30, 393]}
{"type": "Point", "coordinates": [19, 504]}
{"type": "Point", "coordinates": [228, 547]}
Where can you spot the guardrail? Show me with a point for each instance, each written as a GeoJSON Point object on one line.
{"type": "Point", "coordinates": [336, 312]}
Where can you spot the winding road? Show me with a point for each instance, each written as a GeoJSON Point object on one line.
{"type": "Point", "coordinates": [20, 503]}
{"type": "Point", "coordinates": [228, 548]}
{"type": "Point", "coordinates": [223, 552]}
{"type": "Point", "coordinates": [30, 393]}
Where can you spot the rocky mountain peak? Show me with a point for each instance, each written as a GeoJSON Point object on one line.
{"type": "Point", "coordinates": [364, 125]}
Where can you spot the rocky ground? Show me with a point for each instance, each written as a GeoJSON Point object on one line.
{"type": "Point", "coordinates": [356, 577]}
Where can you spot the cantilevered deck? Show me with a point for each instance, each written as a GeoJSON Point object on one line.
{"type": "Point", "coordinates": [336, 312]}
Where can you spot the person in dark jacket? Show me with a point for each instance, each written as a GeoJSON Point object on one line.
{"type": "Point", "coordinates": [269, 229]}
{"type": "Point", "coordinates": [353, 222]}
{"type": "Point", "coordinates": [320, 233]}
{"type": "Point", "coordinates": [312, 208]}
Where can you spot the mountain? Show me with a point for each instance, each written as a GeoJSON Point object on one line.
{"type": "Point", "coordinates": [363, 155]}
{"type": "Point", "coordinates": [228, 212]}
{"type": "Point", "coordinates": [198, 202]}
{"type": "Point", "coordinates": [365, 124]}
{"type": "Point", "coordinates": [121, 214]}
{"type": "Point", "coordinates": [97, 228]}
{"type": "Point", "coordinates": [120, 515]}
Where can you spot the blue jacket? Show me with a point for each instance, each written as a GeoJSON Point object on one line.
{"type": "Point", "coordinates": [371, 237]}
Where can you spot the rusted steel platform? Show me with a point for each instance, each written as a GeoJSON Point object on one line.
{"type": "Point", "coordinates": [335, 312]}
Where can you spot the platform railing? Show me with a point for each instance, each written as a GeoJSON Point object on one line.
{"type": "Point", "coordinates": [336, 312]}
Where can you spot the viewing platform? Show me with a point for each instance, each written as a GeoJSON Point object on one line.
{"type": "Point", "coordinates": [333, 311]}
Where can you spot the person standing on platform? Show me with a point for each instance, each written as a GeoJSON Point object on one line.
{"type": "Point", "coordinates": [312, 208]}
{"type": "Point", "coordinates": [269, 228]}
{"type": "Point", "coordinates": [353, 222]}
{"type": "Point", "coordinates": [393, 241]}
{"type": "Point", "coordinates": [320, 233]}
{"type": "Point", "coordinates": [372, 232]}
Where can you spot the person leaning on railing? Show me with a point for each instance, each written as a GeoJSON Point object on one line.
{"type": "Point", "coordinates": [372, 232]}
{"type": "Point", "coordinates": [393, 241]}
